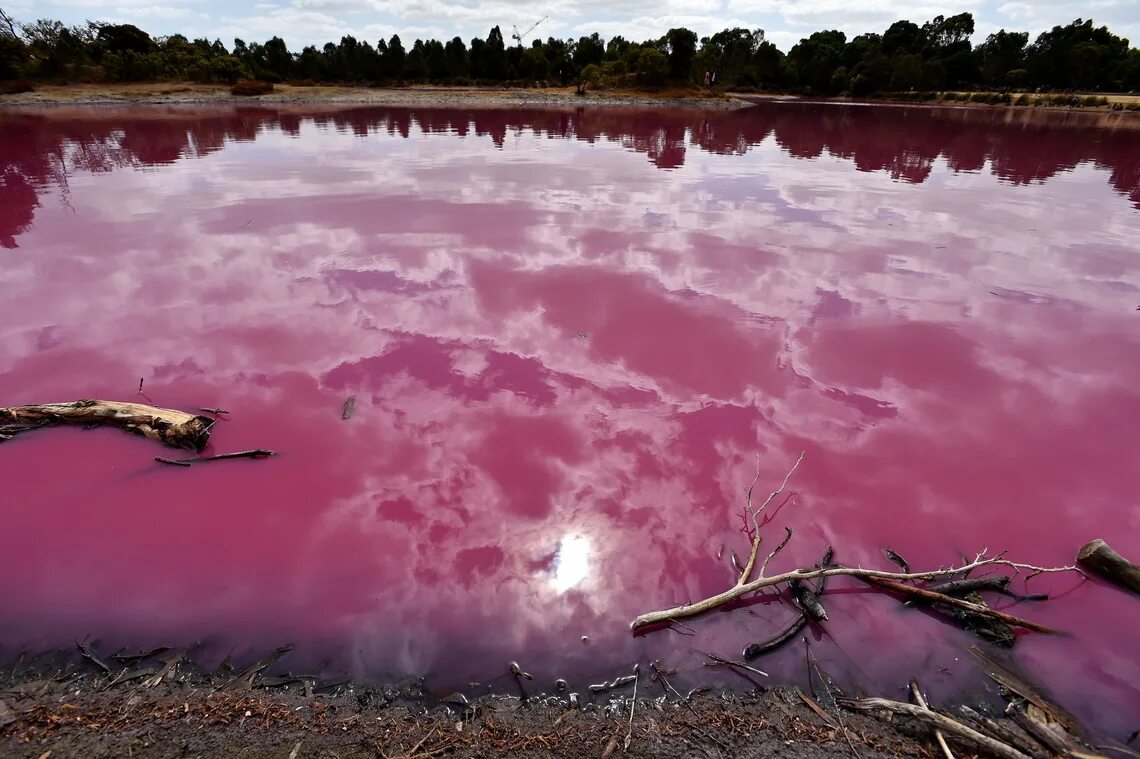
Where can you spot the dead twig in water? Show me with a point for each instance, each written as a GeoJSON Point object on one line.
{"type": "Point", "coordinates": [754, 514]}
{"type": "Point", "coordinates": [720, 660]}
{"type": "Point", "coordinates": [938, 736]}
{"type": "Point", "coordinates": [744, 585]}
{"type": "Point", "coordinates": [257, 453]}
{"type": "Point", "coordinates": [930, 595]}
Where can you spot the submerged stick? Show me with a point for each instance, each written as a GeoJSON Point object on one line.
{"type": "Point", "coordinates": [257, 453]}
{"type": "Point", "coordinates": [930, 595]}
{"type": "Point", "coordinates": [177, 429]}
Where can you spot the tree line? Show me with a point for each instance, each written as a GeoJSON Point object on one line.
{"type": "Point", "coordinates": [934, 56]}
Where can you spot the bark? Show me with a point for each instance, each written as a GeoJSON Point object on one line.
{"type": "Point", "coordinates": [177, 429]}
{"type": "Point", "coordinates": [1107, 563]}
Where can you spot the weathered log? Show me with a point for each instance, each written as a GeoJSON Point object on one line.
{"type": "Point", "coordinates": [985, 627]}
{"type": "Point", "coordinates": [177, 429]}
{"type": "Point", "coordinates": [1107, 563]}
{"type": "Point", "coordinates": [1004, 732]}
{"type": "Point", "coordinates": [933, 719]}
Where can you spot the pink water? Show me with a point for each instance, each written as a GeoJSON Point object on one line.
{"type": "Point", "coordinates": [570, 334]}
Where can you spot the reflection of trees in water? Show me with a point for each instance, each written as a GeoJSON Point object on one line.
{"type": "Point", "coordinates": [1021, 145]}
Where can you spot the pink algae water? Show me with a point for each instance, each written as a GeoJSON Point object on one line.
{"type": "Point", "coordinates": [570, 334]}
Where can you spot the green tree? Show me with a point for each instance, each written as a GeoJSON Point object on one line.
{"type": "Point", "coordinates": [816, 59]}
{"type": "Point", "coordinates": [392, 64]}
{"type": "Point", "coordinates": [903, 37]}
{"type": "Point", "coordinates": [588, 50]}
{"type": "Point", "coordinates": [278, 59]}
{"type": "Point", "coordinates": [681, 47]}
{"type": "Point", "coordinates": [458, 65]}
{"type": "Point", "coordinates": [1000, 54]}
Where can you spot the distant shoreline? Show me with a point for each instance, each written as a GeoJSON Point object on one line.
{"type": "Point", "coordinates": [168, 93]}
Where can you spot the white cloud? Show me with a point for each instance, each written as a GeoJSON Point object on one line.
{"type": "Point", "coordinates": [784, 21]}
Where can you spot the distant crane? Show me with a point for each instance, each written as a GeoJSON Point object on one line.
{"type": "Point", "coordinates": [519, 37]}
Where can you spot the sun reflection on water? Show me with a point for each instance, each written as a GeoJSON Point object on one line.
{"type": "Point", "coordinates": [572, 563]}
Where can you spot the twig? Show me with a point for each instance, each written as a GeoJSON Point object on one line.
{"type": "Point", "coordinates": [215, 411]}
{"type": "Point", "coordinates": [935, 719]}
{"type": "Point", "coordinates": [732, 663]}
{"type": "Point", "coordinates": [257, 453]}
{"type": "Point", "coordinates": [815, 707]}
{"type": "Point", "coordinates": [938, 736]}
{"type": "Point", "coordinates": [897, 559]}
{"type": "Point", "coordinates": [824, 679]}
{"type": "Point", "coordinates": [754, 514]}
{"type": "Point", "coordinates": [776, 550]}
{"type": "Point", "coordinates": [632, 706]}
{"type": "Point", "coordinates": [930, 595]}
{"type": "Point", "coordinates": [90, 656]}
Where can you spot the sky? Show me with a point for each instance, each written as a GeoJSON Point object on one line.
{"type": "Point", "coordinates": [305, 22]}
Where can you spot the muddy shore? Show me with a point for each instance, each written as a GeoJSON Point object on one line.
{"type": "Point", "coordinates": [76, 709]}
{"type": "Point", "coordinates": [162, 704]}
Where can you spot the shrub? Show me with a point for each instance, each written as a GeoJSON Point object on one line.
{"type": "Point", "coordinates": [250, 87]}
{"type": "Point", "coordinates": [1024, 99]}
{"type": "Point", "coordinates": [15, 87]}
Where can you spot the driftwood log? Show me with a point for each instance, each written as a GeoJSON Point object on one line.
{"type": "Point", "coordinates": [1107, 563]}
{"type": "Point", "coordinates": [177, 429]}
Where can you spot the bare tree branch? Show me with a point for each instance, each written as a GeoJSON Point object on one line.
{"type": "Point", "coordinates": [746, 585]}
{"type": "Point", "coordinates": [7, 25]}
{"type": "Point", "coordinates": [755, 513]}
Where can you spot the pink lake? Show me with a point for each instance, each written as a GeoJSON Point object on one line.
{"type": "Point", "coordinates": [570, 333]}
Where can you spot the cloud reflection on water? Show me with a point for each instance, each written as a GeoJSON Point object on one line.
{"type": "Point", "coordinates": [566, 352]}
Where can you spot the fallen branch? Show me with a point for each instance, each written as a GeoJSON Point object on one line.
{"type": "Point", "coordinates": [743, 589]}
{"type": "Point", "coordinates": [930, 595]}
{"type": "Point", "coordinates": [177, 429]}
{"type": "Point", "coordinates": [934, 719]}
{"type": "Point", "coordinates": [746, 585]}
